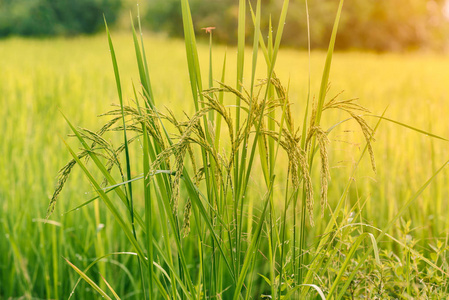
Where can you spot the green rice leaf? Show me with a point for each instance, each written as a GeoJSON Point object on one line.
{"type": "Point", "coordinates": [252, 249]}
{"type": "Point", "coordinates": [327, 65]}
{"type": "Point", "coordinates": [192, 52]}
{"type": "Point", "coordinates": [410, 127]}
{"type": "Point", "coordinates": [110, 288]}
{"type": "Point", "coordinates": [88, 280]}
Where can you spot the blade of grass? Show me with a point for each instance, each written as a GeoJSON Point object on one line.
{"type": "Point", "coordinates": [192, 53]}
{"type": "Point", "coordinates": [239, 80]}
{"type": "Point", "coordinates": [321, 99]}
{"type": "Point", "coordinates": [211, 79]}
{"type": "Point", "coordinates": [327, 65]}
{"type": "Point", "coordinates": [239, 200]}
{"type": "Point", "coordinates": [304, 125]}
{"type": "Point", "coordinates": [264, 49]}
{"type": "Point", "coordinates": [196, 87]}
{"type": "Point", "coordinates": [255, 47]}
{"type": "Point", "coordinates": [220, 100]}
{"type": "Point", "coordinates": [125, 138]}
{"type": "Point", "coordinates": [291, 292]}
{"type": "Point", "coordinates": [241, 35]}
{"type": "Point", "coordinates": [110, 288]}
{"type": "Point", "coordinates": [317, 288]}
{"type": "Point", "coordinates": [164, 293]}
{"type": "Point", "coordinates": [142, 66]}
{"type": "Point", "coordinates": [252, 249]}
{"type": "Point", "coordinates": [148, 89]}
{"type": "Point", "coordinates": [88, 280]}
{"type": "Point", "coordinates": [148, 208]}
{"type": "Point", "coordinates": [162, 196]}
{"type": "Point", "coordinates": [112, 187]}
{"type": "Point", "coordinates": [410, 127]}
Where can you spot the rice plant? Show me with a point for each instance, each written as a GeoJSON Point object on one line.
{"type": "Point", "coordinates": [218, 204]}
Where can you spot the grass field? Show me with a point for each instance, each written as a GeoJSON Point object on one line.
{"type": "Point", "coordinates": [40, 77]}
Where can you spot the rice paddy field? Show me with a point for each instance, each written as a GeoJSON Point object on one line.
{"type": "Point", "coordinates": [42, 78]}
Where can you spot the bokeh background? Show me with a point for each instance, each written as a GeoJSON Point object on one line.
{"type": "Point", "coordinates": [380, 25]}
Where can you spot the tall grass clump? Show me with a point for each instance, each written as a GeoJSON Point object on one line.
{"type": "Point", "coordinates": [222, 203]}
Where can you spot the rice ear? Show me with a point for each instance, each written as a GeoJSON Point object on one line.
{"type": "Point", "coordinates": [187, 214]}
{"type": "Point", "coordinates": [64, 174]}
{"type": "Point", "coordinates": [323, 143]}
{"type": "Point", "coordinates": [368, 134]}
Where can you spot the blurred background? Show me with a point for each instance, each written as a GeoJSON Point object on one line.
{"type": "Point", "coordinates": [379, 25]}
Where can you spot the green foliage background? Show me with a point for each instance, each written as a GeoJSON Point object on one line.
{"type": "Point", "coordinates": [380, 25]}
{"type": "Point", "coordinates": [366, 24]}
{"type": "Point", "coordinates": [55, 17]}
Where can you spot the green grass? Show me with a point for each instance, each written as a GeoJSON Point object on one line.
{"type": "Point", "coordinates": [39, 78]}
